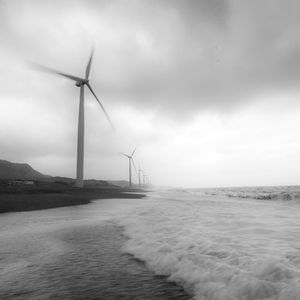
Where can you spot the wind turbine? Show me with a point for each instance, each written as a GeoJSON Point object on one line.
{"type": "Point", "coordinates": [80, 82]}
{"type": "Point", "coordinates": [145, 179]}
{"type": "Point", "coordinates": [130, 158]}
{"type": "Point", "coordinates": [140, 171]}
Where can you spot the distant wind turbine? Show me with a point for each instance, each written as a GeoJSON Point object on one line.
{"type": "Point", "coordinates": [140, 171]}
{"type": "Point", "coordinates": [145, 179]}
{"type": "Point", "coordinates": [80, 82]}
{"type": "Point", "coordinates": [131, 161]}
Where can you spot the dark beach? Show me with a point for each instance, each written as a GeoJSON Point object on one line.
{"type": "Point", "coordinates": [43, 195]}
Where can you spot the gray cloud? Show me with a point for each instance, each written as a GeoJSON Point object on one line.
{"type": "Point", "coordinates": [172, 55]}
{"type": "Point", "coordinates": [156, 62]}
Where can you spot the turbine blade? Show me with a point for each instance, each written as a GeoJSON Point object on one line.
{"type": "Point", "coordinates": [133, 152]}
{"type": "Point", "coordinates": [124, 154]}
{"type": "Point", "coordinates": [88, 67]}
{"type": "Point", "coordinates": [106, 114]}
{"type": "Point", "coordinates": [50, 70]}
{"type": "Point", "coordinates": [133, 165]}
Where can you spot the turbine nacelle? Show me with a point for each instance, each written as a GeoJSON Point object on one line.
{"type": "Point", "coordinates": [81, 82]}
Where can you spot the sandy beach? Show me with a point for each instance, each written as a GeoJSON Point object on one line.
{"type": "Point", "coordinates": [25, 198]}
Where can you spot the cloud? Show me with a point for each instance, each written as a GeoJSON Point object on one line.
{"type": "Point", "coordinates": [177, 56]}
{"type": "Point", "coordinates": [159, 66]}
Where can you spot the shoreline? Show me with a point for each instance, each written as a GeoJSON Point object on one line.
{"type": "Point", "coordinates": [37, 198]}
{"type": "Point", "coordinates": [84, 260]}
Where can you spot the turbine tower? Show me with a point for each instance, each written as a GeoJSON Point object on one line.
{"type": "Point", "coordinates": [145, 179]}
{"type": "Point", "coordinates": [140, 171]}
{"type": "Point", "coordinates": [80, 82]}
{"type": "Point", "coordinates": [131, 161]}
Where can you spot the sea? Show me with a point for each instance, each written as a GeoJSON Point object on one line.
{"type": "Point", "coordinates": [205, 244]}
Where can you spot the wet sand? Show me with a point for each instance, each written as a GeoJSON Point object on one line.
{"type": "Point", "coordinates": [84, 262]}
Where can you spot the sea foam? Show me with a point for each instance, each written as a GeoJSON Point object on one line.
{"type": "Point", "coordinates": [219, 248]}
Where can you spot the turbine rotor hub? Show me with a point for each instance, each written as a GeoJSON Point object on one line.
{"type": "Point", "coordinates": [81, 82]}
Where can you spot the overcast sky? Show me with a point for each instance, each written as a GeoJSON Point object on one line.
{"type": "Point", "coordinates": [208, 90]}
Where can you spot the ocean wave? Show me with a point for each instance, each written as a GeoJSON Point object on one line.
{"type": "Point", "coordinates": [264, 196]}
{"type": "Point", "coordinates": [284, 193]}
{"type": "Point", "coordinates": [215, 250]}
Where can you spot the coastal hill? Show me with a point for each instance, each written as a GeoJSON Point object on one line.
{"type": "Point", "coordinates": [10, 171]}
{"type": "Point", "coordinates": [19, 171]}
